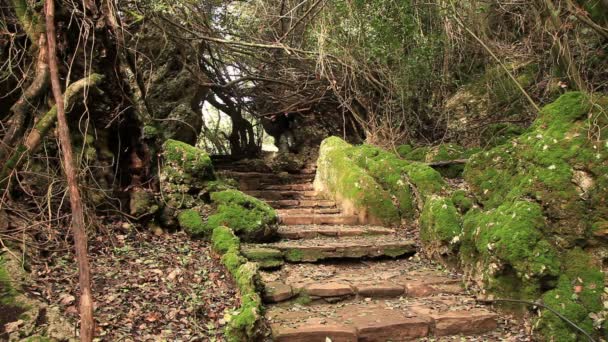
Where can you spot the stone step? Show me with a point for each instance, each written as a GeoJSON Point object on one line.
{"type": "Point", "coordinates": [312, 250]}
{"type": "Point", "coordinates": [316, 231]}
{"type": "Point", "coordinates": [307, 219]}
{"type": "Point", "coordinates": [380, 320]}
{"type": "Point", "coordinates": [277, 195]}
{"type": "Point", "coordinates": [269, 177]}
{"type": "Point", "coordinates": [292, 187]}
{"type": "Point", "coordinates": [286, 204]}
{"type": "Point", "coordinates": [304, 211]}
{"type": "Point", "coordinates": [369, 279]}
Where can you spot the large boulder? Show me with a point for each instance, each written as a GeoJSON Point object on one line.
{"type": "Point", "coordinates": [545, 197]}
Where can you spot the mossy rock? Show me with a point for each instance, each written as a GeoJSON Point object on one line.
{"type": "Point", "coordinates": [562, 166]}
{"type": "Point", "coordinates": [188, 159]}
{"type": "Point", "coordinates": [192, 223]}
{"type": "Point", "coordinates": [251, 219]}
{"type": "Point", "coordinates": [577, 296]}
{"type": "Point", "coordinates": [462, 201]}
{"type": "Point", "coordinates": [507, 246]}
{"type": "Point", "coordinates": [185, 172]}
{"type": "Point", "coordinates": [338, 174]}
{"type": "Point", "coordinates": [246, 324]}
{"type": "Point", "coordinates": [142, 203]}
{"type": "Point", "coordinates": [267, 258]}
{"type": "Point", "coordinates": [440, 226]}
{"type": "Point", "coordinates": [223, 240]}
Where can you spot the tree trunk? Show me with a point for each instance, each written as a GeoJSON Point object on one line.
{"type": "Point", "coordinates": [87, 325]}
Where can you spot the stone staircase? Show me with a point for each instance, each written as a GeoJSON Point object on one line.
{"type": "Point", "coordinates": [329, 278]}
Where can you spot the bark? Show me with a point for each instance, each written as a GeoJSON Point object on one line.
{"type": "Point", "coordinates": [20, 110]}
{"type": "Point", "coordinates": [87, 325]}
{"type": "Point", "coordinates": [42, 127]}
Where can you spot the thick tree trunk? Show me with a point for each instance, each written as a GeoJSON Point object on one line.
{"type": "Point", "coordinates": [87, 325]}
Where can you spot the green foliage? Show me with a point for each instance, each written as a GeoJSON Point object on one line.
{"type": "Point", "coordinates": [251, 219]}
{"type": "Point", "coordinates": [244, 325]}
{"type": "Point", "coordinates": [191, 222]}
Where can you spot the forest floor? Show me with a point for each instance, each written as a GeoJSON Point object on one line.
{"type": "Point", "coordinates": [147, 287]}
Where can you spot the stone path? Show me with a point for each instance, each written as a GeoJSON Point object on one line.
{"type": "Point", "coordinates": [331, 279]}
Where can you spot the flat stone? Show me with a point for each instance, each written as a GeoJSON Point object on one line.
{"type": "Point", "coordinates": [417, 289]}
{"type": "Point", "coordinates": [318, 219]}
{"type": "Point", "coordinates": [347, 247]}
{"type": "Point", "coordinates": [471, 322]}
{"type": "Point", "coordinates": [314, 231]}
{"type": "Point", "coordinates": [380, 290]}
{"type": "Point", "coordinates": [390, 327]}
{"type": "Point", "coordinates": [276, 292]}
{"type": "Point", "coordinates": [315, 333]}
{"type": "Point", "coordinates": [307, 211]}
{"type": "Point", "coordinates": [329, 290]}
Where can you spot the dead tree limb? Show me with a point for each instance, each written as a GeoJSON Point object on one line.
{"type": "Point", "coordinates": [87, 324]}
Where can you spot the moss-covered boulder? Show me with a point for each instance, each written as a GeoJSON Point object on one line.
{"type": "Point", "coordinates": [251, 219]}
{"type": "Point", "coordinates": [556, 164]}
{"type": "Point", "coordinates": [373, 181]}
{"type": "Point", "coordinates": [577, 296]}
{"type": "Point", "coordinates": [192, 223]}
{"type": "Point", "coordinates": [462, 201]}
{"type": "Point", "coordinates": [184, 174]}
{"type": "Point", "coordinates": [440, 226]}
{"type": "Point", "coordinates": [506, 249]}
{"type": "Point", "coordinates": [356, 190]}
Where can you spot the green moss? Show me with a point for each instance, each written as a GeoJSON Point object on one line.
{"type": "Point", "coordinates": [251, 219]}
{"type": "Point", "coordinates": [394, 252]}
{"type": "Point", "coordinates": [499, 134]}
{"type": "Point", "coordinates": [404, 150]}
{"type": "Point", "coordinates": [303, 299]}
{"type": "Point", "coordinates": [150, 132]}
{"type": "Point", "coordinates": [508, 242]}
{"type": "Point", "coordinates": [223, 240]}
{"type": "Point", "coordinates": [462, 201]}
{"type": "Point", "coordinates": [303, 255]}
{"type": "Point", "coordinates": [262, 253]}
{"type": "Point", "coordinates": [387, 170]}
{"type": "Point", "coordinates": [440, 224]}
{"type": "Point", "coordinates": [38, 339]}
{"type": "Point", "coordinates": [340, 175]}
{"type": "Point", "coordinates": [244, 325]}
{"type": "Point", "coordinates": [187, 156]}
{"type": "Point", "coordinates": [233, 260]}
{"type": "Point", "coordinates": [418, 154]}
{"type": "Point", "coordinates": [578, 293]}
{"type": "Point", "coordinates": [544, 163]}
{"type": "Point", "coordinates": [7, 291]}
{"type": "Point", "coordinates": [192, 223]}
